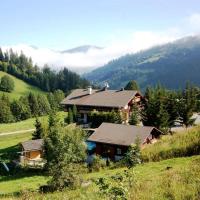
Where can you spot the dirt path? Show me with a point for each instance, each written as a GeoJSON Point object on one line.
{"type": "Point", "coordinates": [16, 132]}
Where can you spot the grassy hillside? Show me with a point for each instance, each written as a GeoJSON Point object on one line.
{"type": "Point", "coordinates": [181, 144]}
{"type": "Point", "coordinates": [26, 124]}
{"type": "Point", "coordinates": [176, 179]}
{"type": "Point", "coordinates": [177, 62]}
{"type": "Point", "coordinates": [21, 88]}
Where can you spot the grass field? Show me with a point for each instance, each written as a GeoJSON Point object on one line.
{"type": "Point", "coordinates": [148, 177]}
{"type": "Point", "coordinates": [26, 124]}
{"type": "Point", "coordinates": [21, 87]}
{"type": "Point", "coordinates": [170, 179]}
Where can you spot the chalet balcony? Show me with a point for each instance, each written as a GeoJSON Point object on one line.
{"type": "Point", "coordinates": [32, 163]}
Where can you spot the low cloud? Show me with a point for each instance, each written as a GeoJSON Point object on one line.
{"type": "Point", "coordinates": [136, 41]}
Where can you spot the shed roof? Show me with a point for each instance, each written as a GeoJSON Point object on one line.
{"type": "Point", "coordinates": [120, 134]}
{"type": "Point", "coordinates": [32, 145]}
{"type": "Point", "coordinates": [101, 98]}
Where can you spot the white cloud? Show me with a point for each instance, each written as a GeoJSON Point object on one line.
{"type": "Point", "coordinates": [194, 20]}
{"type": "Point", "coordinates": [94, 57]}
{"type": "Point", "coordinates": [136, 41]}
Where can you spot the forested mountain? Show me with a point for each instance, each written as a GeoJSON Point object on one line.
{"type": "Point", "coordinates": [46, 79]}
{"type": "Point", "coordinates": [171, 65]}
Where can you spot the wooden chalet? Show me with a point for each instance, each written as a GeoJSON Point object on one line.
{"type": "Point", "coordinates": [32, 152]}
{"type": "Point", "coordinates": [113, 140]}
{"type": "Point", "coordinates": [88, 100]}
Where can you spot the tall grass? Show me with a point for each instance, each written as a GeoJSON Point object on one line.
{"type": "Point", "coordinates": [173, 184]}
{"type": "Point", "coordinates": [178, 145]}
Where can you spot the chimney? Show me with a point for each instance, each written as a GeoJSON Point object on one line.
{"type": "Point", "coordinates": [89, 90]}
{"type": "Point", "coordinates": [106, 86]}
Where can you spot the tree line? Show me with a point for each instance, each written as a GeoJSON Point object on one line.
{"type": "Point", "coordinates": [46, 79]}
{"type": "Point", "coordinates": [163, 108]}
{"type": "Point", "coordinates": [31, 105]}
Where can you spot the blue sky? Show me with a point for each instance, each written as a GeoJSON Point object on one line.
{"type": "Point", "coordinates": [62, 24]}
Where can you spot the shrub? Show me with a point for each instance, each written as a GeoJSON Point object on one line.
{"type": "Point", "coordinates": [7, 84]}
{"type": "Point", "coordinates": [133, 156]}
{"type": "Point", "coordinates": [97, 164]}
{"type": "Point", "coordinates": [97, 118]}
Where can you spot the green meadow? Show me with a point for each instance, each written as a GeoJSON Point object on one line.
{"type": "Point", "coordinates": [172, 177]}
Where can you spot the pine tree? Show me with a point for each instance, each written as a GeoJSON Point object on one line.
{"type": "Point", "coordinates": [74, 110]}
{"type": "Point", "coordinates": [1, 55]}
{"type": "Point", "coordinates": [53, 119]}
{"type": "Point", "coordinates": [38, 133]}
{"type": "Point", "coordinates": [5, 112]}
{"type": "Point", "coordinates": [132, 85]}
{"type": "Point", "coordinates": [43, 105]}
{"type": "Point", "coordinates": [52, 101]}
{"type": "Point", "coordinates": [70, 116]}
{"type": "Point", "coordinates": [58, 96]}
{"type": "Point", "coordinates": [187, 104]}
{"type": "Point", "coordinates": [135, 116]}
{"type": "Point", "coordinates": [26, 111]}
{"type": "Point", "coordinates": [172, 108]}
{"type": "Point", "coordinates": [33, 103]}
{"type": "Point", "coordinates": [155, 109]}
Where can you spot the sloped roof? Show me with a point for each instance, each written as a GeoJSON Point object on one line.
{"type": "Point", "coordinates": [101, 98]}
{"type": "Point", "coordinates": [32, 145]}
{"type": "Point", "coordinates": [120, 134]}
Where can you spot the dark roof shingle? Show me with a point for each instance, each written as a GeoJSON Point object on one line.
{"type": "Point", "coordinates": [120, 134]}
{"type": "Point", "coordinates": [101, 98]}
{"type": "Point", "coordinates": [32, 145]}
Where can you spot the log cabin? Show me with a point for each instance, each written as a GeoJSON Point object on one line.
{"type": "Point", "coordinates": [88, 100]}
{"type": "Point", "coordinates": [113, 140]}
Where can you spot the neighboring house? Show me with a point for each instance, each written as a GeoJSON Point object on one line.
{"type": "Point", "coordinates": [113, 140]}
{"type": "Point", "coordinates": [32, 152]}
{"type": "Point", "coordinates": [88, 100]}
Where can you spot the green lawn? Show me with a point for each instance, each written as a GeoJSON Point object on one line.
{"type": "Point", "coordinates": [8, 141]}
{"type": "Point", "coordinates": [21, 87]}
{"type": "Point", "coordinates": [9, 145]}
{"type": "Point", "coordinates": [14, 184]}
{"type": "Point", "coordinates": [26, 124]}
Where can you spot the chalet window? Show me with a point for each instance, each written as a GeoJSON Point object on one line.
{"type": "Point", "coordinates": [119, 151]}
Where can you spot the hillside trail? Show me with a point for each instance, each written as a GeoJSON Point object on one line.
{"type": "Point", "coordinates": [16, 132]}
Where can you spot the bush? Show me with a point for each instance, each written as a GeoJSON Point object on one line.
{"type": "Point", "coordinates": [133, 156]}
{"type": "Point", "coordinates": [7, 84]}
{"type": "Point", "coordinates": [97, 164]}
{"type": "Point", "coordinates": [97, 118]}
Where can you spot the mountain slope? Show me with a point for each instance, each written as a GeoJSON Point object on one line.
{"type": "Point", "coordinates": [21, 87]}
{"type": "Point", "coordinates": [171, 65]}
